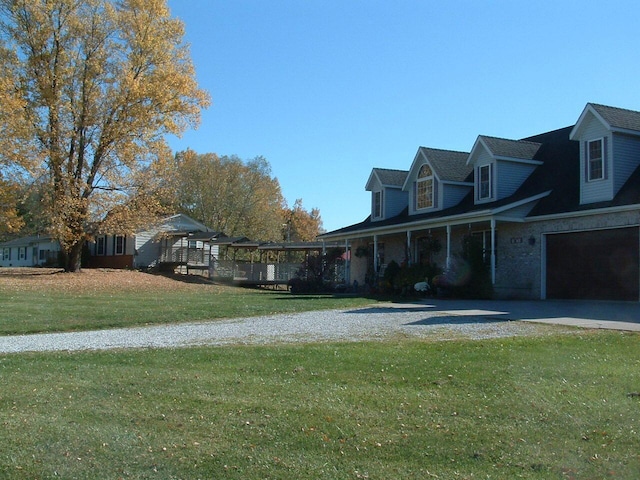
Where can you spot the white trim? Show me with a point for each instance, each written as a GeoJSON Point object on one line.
{"type": "Point", "coordinates": [519, 203]}
{"type": "Point", "coordinates": [374, 212]}
{"type": "Point", "coordinates": [461, 184]}
{"type": "Point", "coordinates": [489, 197]}
{"type": "Point", "coordinates": [518, 160]}
{"type": "Point", "coordinates": [419, 180]}
{"type": "Point", "coordinates": [584, 213]}
{"type": "Point", "coordinates": [587, 159]}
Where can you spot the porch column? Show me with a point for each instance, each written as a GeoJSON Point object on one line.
{"type": "Point", "coordinates": [448, 261]}
{"type": "Point", "coordinates": [493, 251]}
{"type": "Point", "coordinates": [409, 259]}
{"type": "Point", "coordinates": [375, 255]}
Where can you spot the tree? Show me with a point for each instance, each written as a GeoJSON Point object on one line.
{"type": "Point", "coordinates": [10, 220]}
{"type": "Point", "coordinates": [88, 89]}
{"type": "Point", "coordinates": [302, 225]}
{"type": "Point", "coordinates": [226, 193]}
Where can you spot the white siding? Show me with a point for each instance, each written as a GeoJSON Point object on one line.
{"type": "Point", "coordinates": [147, 249]}
{"type": "Point", "coordinates": [31, 254]}
{"type": "Point", "coordinates": [626, 153]}
{"type": "Point", "coordinates": [511, 176]}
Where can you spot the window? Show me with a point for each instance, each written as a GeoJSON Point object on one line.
{"type": "Point", "coordinates": [6, 254]}
{"type": "Point", "coordinates": [100, 245]}
{"type": "Point", "coordinates": [119, 245]}
{"type": "Point", "coordinates": [595, 160]}
{"type": "Point", "coordinates": [377, 204]}
{"type": "Point", "coordinates": [484, 182]}
{"type": "Point", "coordinates": [424, 188]}
{"type": "Point", "coordinates": [22, 253]}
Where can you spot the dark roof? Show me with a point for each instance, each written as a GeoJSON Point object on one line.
{"type": "Point", "coordinates": [618, 117]}
{"type": "Point", "coordinates": [502, 147]}
{"type": "Point", "coordinates": [448, 164]}
{"type": "Point", "coordinates": [391, 178]}
{"type": "Point", "coordinates": [558, 173]}
{"type": "Point", "coordinates": [557, 176]}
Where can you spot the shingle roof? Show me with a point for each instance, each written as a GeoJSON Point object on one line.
{"type": "Point", "coordinates": [390, 177]}
{"type": "Point", "coordinates": [448, 164]}
{"type": "Point", "coordinates": [502, 147]}
{"type": "Point", "coordinates": [558, 173]}
{"type": "Point", "coordinates": [618, 117]}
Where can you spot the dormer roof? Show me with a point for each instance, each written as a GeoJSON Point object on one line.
{"type": "Point", "coordinates": [505, 149]}
{"type": "Point", "coordinates": [613, 118]}
{"type": "Point", "coordinates": [448, 164]}
{"type": "Point", "coordinates": [387, 178]}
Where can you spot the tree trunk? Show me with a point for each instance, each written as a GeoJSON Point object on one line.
{"type": "Point", "coordinates": [72, 258]}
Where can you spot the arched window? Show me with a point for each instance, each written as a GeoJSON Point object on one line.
{"type": "Point", "coordinates": [424, 188]}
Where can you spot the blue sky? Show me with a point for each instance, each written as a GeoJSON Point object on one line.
{"type": "Point", "coordinates": [327, 90]}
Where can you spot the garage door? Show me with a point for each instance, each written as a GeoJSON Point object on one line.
{"type": "Point", "coordinates": [598, 265]}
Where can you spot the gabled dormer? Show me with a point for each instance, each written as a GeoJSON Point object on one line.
{"type": "Point", "coordinates": [387, 197]}
{"type": "Point", "coordinates": [437, 179]}
{"type": "Point", "coordinates": [500, 166]}
{"type": "Point", "coordinates": [609, 150]}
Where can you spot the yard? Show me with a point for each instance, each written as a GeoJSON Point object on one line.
{"type": "Point", "coordinates": [554, 406]}
{"type": "Point", "coordinates": [46, 300]}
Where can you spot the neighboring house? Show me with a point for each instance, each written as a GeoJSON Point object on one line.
{"type": "Point", "coordinates": [558, 213]}
{"type": "Point", "coordinates": [33, 251]}
{"type": "Point", "coordinates": [176, 239]}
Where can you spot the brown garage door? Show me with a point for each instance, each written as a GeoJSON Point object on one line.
{"type": "Point", "coordinates": [598, 265]}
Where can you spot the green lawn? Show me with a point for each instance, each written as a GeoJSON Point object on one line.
{"type": "Point", "coordinates": [32, 307]}
{"type": "Point", "coordinates": [538, 408]}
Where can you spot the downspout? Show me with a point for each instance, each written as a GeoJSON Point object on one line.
{"type": "Point", "coordinates": [493, 251]}
{"type": "Point", "coordinates": [448, 261]}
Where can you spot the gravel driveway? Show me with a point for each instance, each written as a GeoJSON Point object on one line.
{"type": "Point", "coordinates": [376, 322]}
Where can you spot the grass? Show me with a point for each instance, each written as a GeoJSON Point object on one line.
{"type": "Point", "coordinates": [534, 408]}
{"type": "Point", "coordinates": [98, 300]}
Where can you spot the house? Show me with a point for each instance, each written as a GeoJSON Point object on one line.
{"type": "Point", "coordinates": [558, 213]}
{"type": "Point", "coordinates": [32, 251]}
{"type": "Point", "coordinates": [177, 239]}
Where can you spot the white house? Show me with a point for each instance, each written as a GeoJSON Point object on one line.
{"type": "Point", "coordinates": [37, 250]}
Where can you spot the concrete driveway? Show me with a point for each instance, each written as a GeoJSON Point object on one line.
{"type": "Point", "coordinates": [586, 314]}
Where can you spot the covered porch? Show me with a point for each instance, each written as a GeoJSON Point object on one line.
{"type": "Point", "coordinates": [244, 262]}
{"type": "Point", "coordinates": [436, 242]}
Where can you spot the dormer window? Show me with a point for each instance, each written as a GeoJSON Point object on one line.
{"type": "Point", "coordinates": [595, 160]}
{"type": "Point", "coordinates": [424, 188]}
{"type": "Point", "coordinates": [484, 182]}
{"type": "Point", "coordinates": [377, 204]}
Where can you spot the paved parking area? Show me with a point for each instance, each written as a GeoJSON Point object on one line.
{"type": "Point", "coordinates": [586, 314]}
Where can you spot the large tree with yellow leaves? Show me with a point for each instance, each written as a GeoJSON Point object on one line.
{"type": "Point", "coordinates": [88, 90]}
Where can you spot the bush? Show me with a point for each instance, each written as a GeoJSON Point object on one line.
{"type": "Point", "coordinates": [409, 275]}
